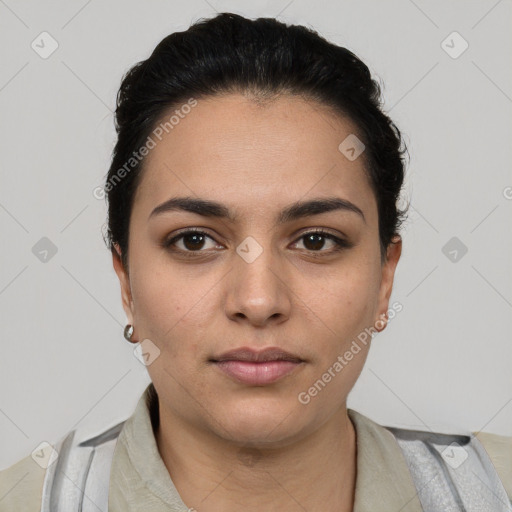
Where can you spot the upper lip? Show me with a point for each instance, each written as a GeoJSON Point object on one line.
{"type": "Point", "coordinates": [249, 354]}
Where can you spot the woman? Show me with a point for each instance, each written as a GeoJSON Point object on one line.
{"type": "Point", "coordinates": [254, 228]}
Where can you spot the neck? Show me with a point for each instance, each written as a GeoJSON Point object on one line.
{"type": "Point", "coordinates": [213, 474]}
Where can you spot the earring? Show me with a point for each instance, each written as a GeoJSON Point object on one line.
{"type": "Point", "coordinates": [382, 322]}
{"type": "Point", "coordinates": [128, 333]}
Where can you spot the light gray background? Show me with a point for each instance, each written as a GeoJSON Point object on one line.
{"type": "Point", "coordinates": [444, 360]}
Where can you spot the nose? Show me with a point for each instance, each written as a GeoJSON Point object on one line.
{"type": "Point", "coordinates": [257, 290]}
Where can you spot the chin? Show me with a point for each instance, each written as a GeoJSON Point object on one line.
{"type": "Point", "coordinates": [263, 425]}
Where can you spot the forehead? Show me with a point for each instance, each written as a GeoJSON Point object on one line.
{"type": "Point", "coordinates": [244, 153]}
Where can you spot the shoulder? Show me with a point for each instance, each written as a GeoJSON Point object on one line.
{"type": "Point", "coordinates": [455, 447]}
{"type": "Point", "coordinates": [499, 449]}
{"type": "Point", "coordinates": [448, 447]}
{"type": "Point", "coordinates": [21, 486]}
{"type": "Point", "coordinates": [73, 458]}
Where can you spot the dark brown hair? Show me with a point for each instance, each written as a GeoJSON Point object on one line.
{"type": "Point", "coordinates": [230, 53]}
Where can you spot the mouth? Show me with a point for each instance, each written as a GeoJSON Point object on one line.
{"type": "Point", "coordinates": [257, 356]}
{"type": "Point", "coordinates": [257, 367]}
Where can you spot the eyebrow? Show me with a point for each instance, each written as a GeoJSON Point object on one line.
{"type": "Point", "coordinates": [297, 210]}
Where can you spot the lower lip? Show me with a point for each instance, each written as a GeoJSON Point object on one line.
{"type": "Point", "coordinates": [257, 374]}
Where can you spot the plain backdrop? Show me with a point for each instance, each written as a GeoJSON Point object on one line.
{"type": "Point", "coordinates": [445, 359]}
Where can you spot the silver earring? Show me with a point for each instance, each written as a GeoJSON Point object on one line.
{"type": "Point", "coordinates": [128, 333]}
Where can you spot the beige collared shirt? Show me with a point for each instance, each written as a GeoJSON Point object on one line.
{"type": "Point", "coordinates": [140, 481]}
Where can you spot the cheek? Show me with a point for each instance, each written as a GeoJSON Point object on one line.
{"type": "Point", "coordinates": [347, 299]}
{"type": "Point", "coordinates": [156, 302]}
{"type": "Point", "coordinates": [360, 297]}
{"type": "Point", "coordinates": [172, 309]}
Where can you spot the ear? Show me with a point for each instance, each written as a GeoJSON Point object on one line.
{"type": "Point", "coordinates": [124, 280]}
{"type": "Point", "coordinates": [393, 252]}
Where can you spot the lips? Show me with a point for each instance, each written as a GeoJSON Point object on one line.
{"type": "Point", "coordinates": [257, 368]}
{"type": "Point", "coordinates": [257, 356]}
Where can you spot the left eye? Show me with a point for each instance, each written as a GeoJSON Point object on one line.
{"type": "Point", "coordinates": [316, 241]}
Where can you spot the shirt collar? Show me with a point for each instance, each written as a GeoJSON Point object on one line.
{"type": "Point", "coordinates": [140, 480]}
{"type": "Point", "coordinates": [383, 479]}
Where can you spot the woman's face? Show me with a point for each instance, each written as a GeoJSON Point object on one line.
{"type": "Point", "coordinates": [254, 280]}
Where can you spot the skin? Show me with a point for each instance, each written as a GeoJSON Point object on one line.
{"type": "Point", "coordinates": [228, 445]}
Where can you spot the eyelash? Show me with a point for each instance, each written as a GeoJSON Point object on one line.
{"type": "Point", "coordinates": [340, 243]}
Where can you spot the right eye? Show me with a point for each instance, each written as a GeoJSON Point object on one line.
{"type": "Point", "coordinates": [192, 240]}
